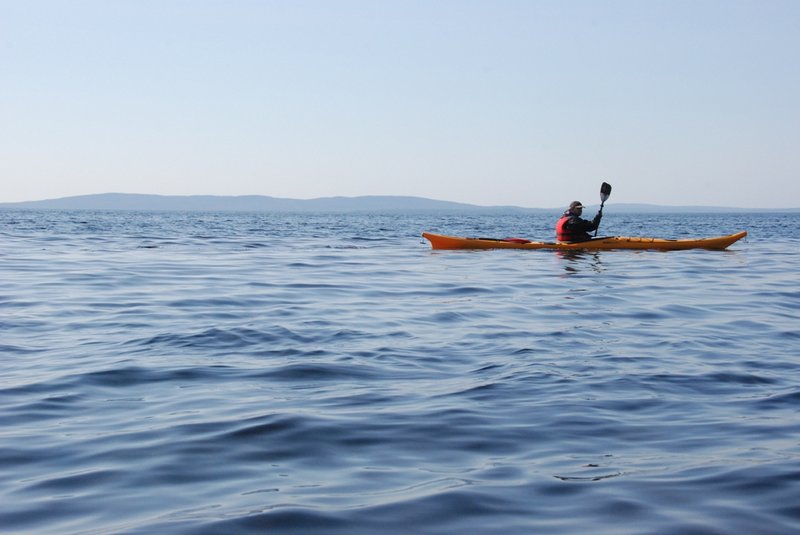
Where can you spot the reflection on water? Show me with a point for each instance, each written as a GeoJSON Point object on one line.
{"type": "Point", "coordinates": [576, 261]}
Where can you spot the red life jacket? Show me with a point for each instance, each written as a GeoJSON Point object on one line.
{"type": "Point", "coordinates": [562, 234]}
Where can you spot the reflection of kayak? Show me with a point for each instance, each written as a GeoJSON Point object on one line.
{"type": "Point", "coordinates": [616, 242]}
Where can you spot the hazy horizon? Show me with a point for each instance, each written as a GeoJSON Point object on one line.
{"type": "Point", "coordinates": [118, 200]}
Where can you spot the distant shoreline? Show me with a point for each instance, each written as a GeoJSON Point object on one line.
{"type": "Point", "coordinates": [370, 203]}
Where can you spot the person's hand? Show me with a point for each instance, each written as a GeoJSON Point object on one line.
{"type": "Point", "coordinates": [598, 217]}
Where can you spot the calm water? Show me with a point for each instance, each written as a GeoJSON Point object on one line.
{"type": "Point", "coordinates": [252, 373]}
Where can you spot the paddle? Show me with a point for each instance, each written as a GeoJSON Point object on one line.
{"type": "Point", "coordinates": [605, 193]}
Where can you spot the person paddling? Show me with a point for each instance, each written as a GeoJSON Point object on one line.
{"type": "Point", "coordinates": [572, 228]}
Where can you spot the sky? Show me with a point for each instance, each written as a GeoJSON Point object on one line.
{"type": "Point", "coordinates": [495, 102]}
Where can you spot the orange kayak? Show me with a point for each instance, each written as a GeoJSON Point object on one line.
{"type": "Point", "coordinates": [439, 241]}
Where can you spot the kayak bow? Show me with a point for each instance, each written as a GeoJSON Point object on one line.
{"type": "Point", "coordinates": [439, 241]}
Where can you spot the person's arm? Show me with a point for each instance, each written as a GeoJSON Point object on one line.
{"type": "Point", "coordinates": [578, 224]}
{"type": "Point", "coordinates": [596, 221]}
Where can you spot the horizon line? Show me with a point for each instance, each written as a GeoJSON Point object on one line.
{"type": "Point", "coordinates": [11, 204]}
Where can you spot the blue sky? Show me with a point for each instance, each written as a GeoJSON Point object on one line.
{"type": "Point", "coordinates": [531, 103]}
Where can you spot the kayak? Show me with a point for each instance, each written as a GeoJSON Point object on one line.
{"type": "Point", "coordinates": [439, 241]}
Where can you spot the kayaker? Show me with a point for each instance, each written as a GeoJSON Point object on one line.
{"type": "Point", "coordinates": [572, 228]}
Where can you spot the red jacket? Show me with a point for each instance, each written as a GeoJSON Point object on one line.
{"type": "Point", "coordinates": [571, 228]}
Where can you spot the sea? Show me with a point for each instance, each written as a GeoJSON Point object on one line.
{"type": "Point", "coordinates": [227, 373]}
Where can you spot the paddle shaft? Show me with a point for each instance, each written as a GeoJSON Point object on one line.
{"type": "Point", "coordinates": [600, 212]}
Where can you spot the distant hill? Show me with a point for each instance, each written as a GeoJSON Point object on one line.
{"type": "Point", "coordinates": [249, 203]}
{"type": "Point", "coordinates": [369, 203]}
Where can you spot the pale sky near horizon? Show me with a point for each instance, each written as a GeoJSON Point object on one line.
{"type": "Point", "coordinates": [530, 103]}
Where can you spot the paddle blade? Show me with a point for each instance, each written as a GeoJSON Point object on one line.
{"type": "Point", "coordinates": [605, 191]}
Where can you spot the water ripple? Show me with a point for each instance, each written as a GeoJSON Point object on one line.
{"type": "Point", "coordinates": [328, 373]}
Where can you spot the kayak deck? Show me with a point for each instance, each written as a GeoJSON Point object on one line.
{"type": "Point", "coordinates": [439, 241]}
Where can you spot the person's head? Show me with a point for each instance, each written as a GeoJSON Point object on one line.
{"type": "Point", "coordinates": [576, 207]}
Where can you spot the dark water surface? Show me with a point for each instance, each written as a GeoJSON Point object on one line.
{"type": "Point", "coordinates": [254, 373]}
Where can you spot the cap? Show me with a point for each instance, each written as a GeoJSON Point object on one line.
{"type": "Point", "coordinates": [575, 204]}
